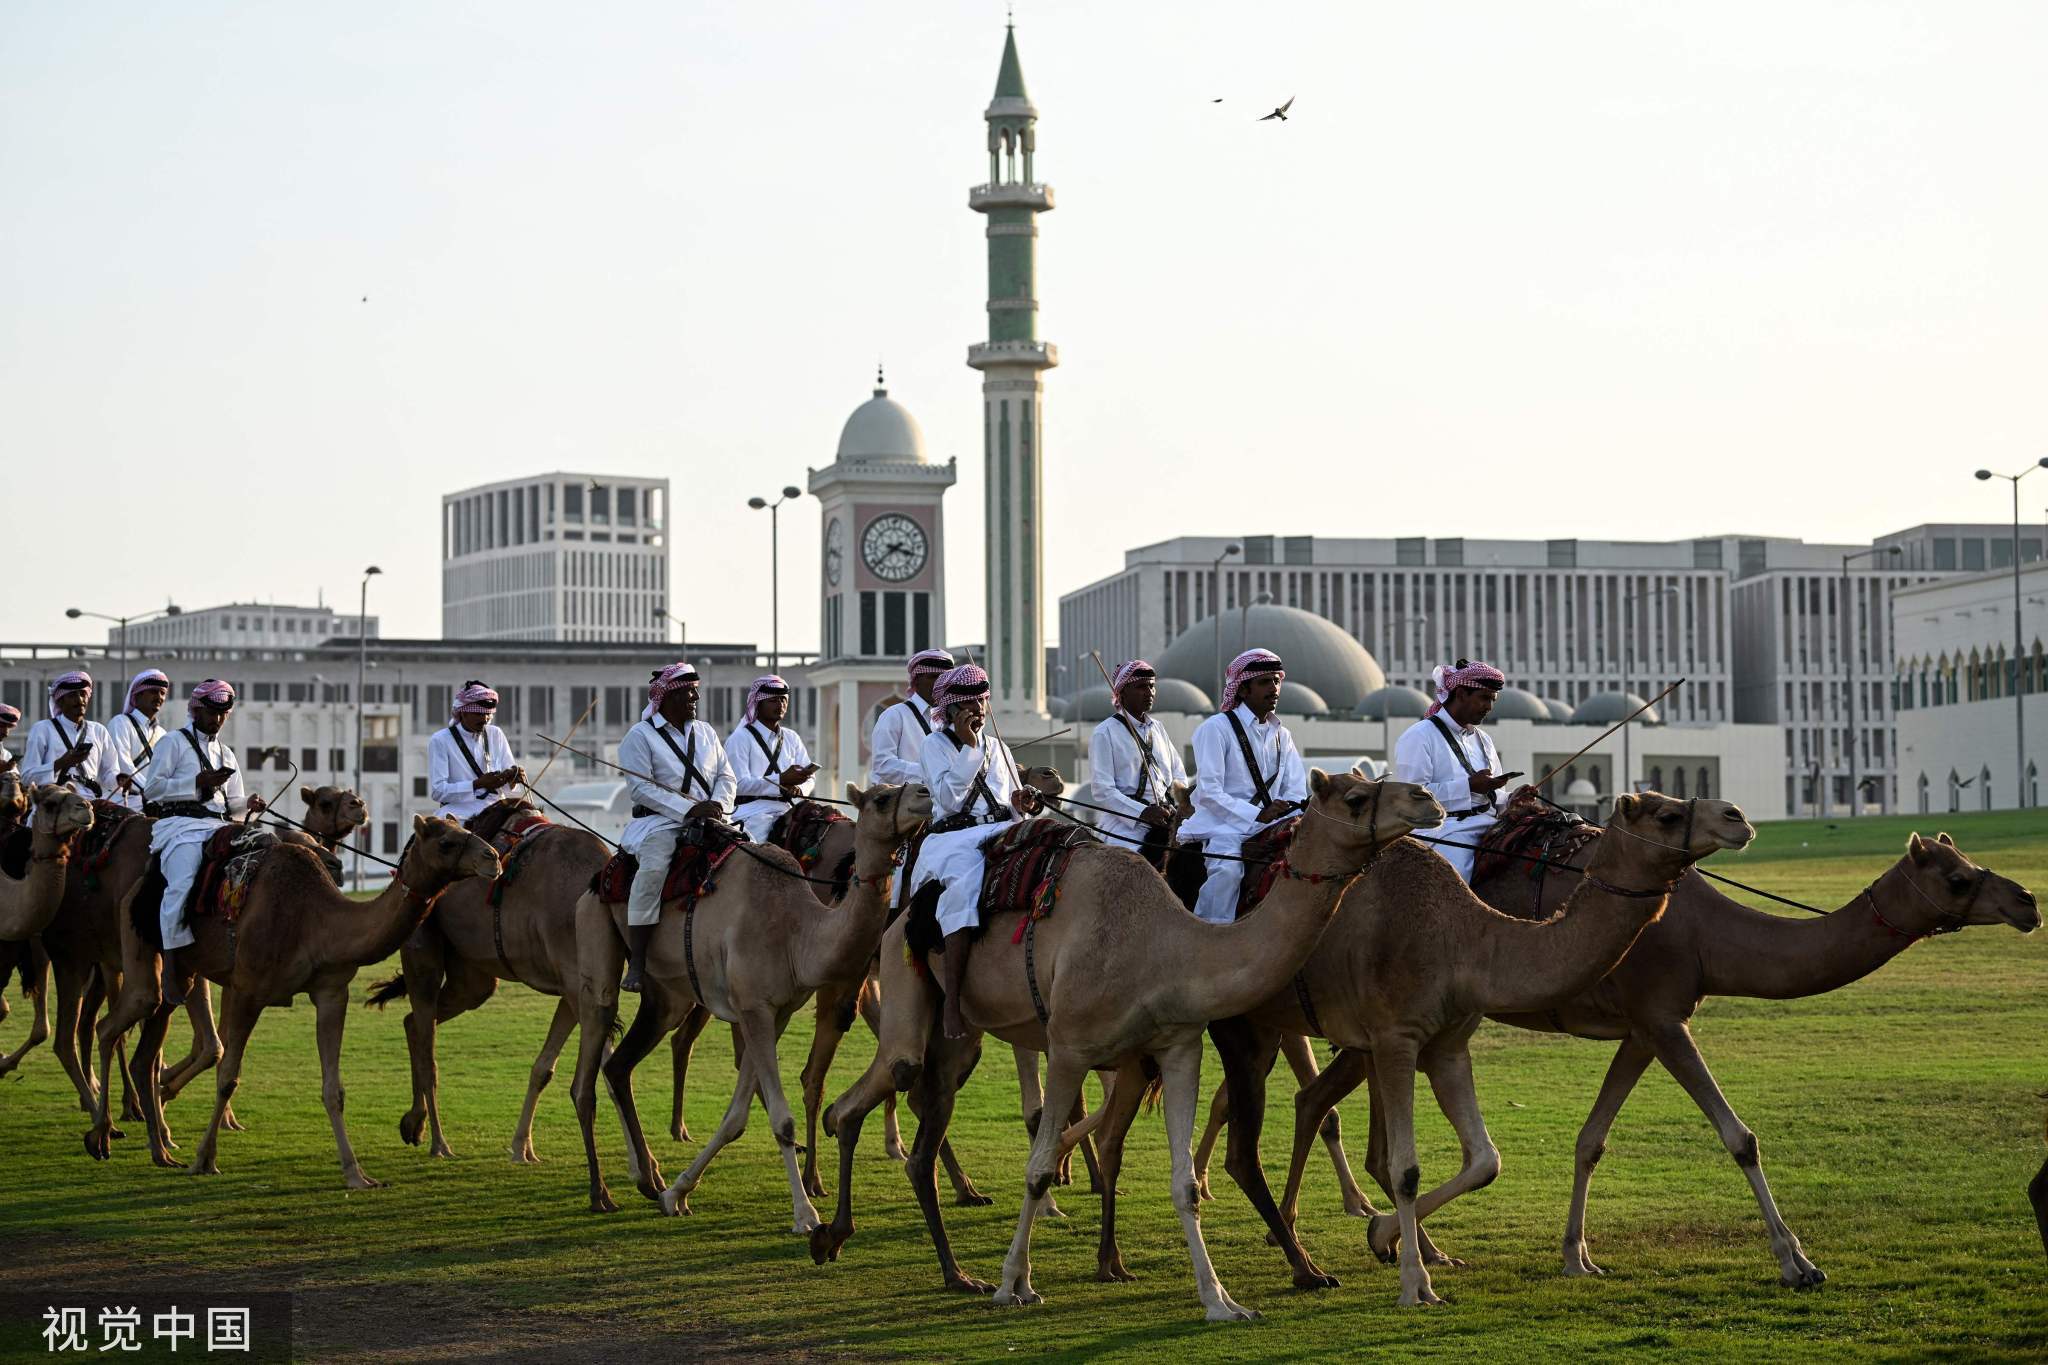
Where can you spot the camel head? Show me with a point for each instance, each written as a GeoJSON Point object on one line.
{"type": "Point", "coordinates": [442, 851]}
{"type": "Point", "coordinates": [1181, 796]}
{"type": "Point", "coordinates": [1955, 892]}
{"type": "Point", "coordinates": [13, 797]}
{"type": "Point", "coordinates": [1044, 781]}
{"type": "Point", "coordinates": [1664, 835]}
{"type": "Point", "coordinates": [1357, 815]}
{"type": "Point", "coordinates": [333, 812]}
{"type": "Point", "coordinates": [890, 815]}
{"type": "Point", "coordinates": [60, 811]}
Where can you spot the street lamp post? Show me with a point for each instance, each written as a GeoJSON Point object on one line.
{"type": "Point", "coordinates": [775, 571]}
{"type": "Point", "coordinates": [2012, 673]}
{"type": "Point", "coordinates": [1849, 624]}
{"type": "Point", "coordinates": [1628, 621]}
{"type": "Point", "coordinates": [362, 670]}
{"type": "Point", "coordinates": [1244, 618]}
{"type": "Point", "coordinates": [122, 621]}
{"type": "Point", "coordinates": [1216, 608]}
{"type": "Point", "coordinates": [662, 615]}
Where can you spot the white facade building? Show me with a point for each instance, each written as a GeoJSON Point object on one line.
{"type": "Point", "coordinates": [556, 556]}
{"type": "Point", "coordinates": [1954, 685]}
{"type": "Point", "coordinates": [241, 625]}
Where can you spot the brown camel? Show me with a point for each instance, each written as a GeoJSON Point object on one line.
{"type": "Point", "coordinates": [295, 932]}
{"type": "Point", "coordinates": [1406, 972]}
{"type": "Point", "coordinates": [31, 894]}
{"type": "Point", "coordinates": [1120, 971]}
{"type": "Point", "coordinates": [754, 948]}
{"type": "Point", "coordinates": [454, 962]}
{"type": "Point", "coordinates": [1707, 944]}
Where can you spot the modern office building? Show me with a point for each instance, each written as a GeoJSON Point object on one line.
{"type": "Point", "coordinates": [557, 556]}
{"type": "Point", "coordinates": [241, 625]}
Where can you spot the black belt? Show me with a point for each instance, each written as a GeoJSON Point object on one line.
{"type": "Point", "coordinates": [185, 810]}
{"type": "Point", "coordinates": [963, 820]}
{"type": "Point", "coordinates": [639, 811]}
{"type": "Point", "coordinates": [742, 800]}
{"type": "Point", "coordinates": [1468, 814]}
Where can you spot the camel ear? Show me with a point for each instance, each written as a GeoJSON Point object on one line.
{"type": "Point", "coordinates": [1318, 781]}
{"type": "Point", "coordinates": [1944, 839]}
{"type": "Point", "coordinates": [856, 795]}
{"type": "Point", "coordinates": [306, 795]}
{"type": "Point", "coordinates": [419, 822]}
{"type": "Point", "coordinates": [1626, 805]}
{"type": "Point", "coordinates": [1916, 849]}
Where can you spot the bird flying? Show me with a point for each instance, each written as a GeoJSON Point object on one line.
{"type": "Point", "coordinates": [1281, 112]}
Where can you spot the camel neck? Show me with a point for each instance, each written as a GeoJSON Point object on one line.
{"type": "Point", "coordinates": [1522, 965]}
{"type": "Point", "coordinates": [838, 940]}
{"type": "Point", "coordinates": [27, 906]}
{"type": "Point", "coordinates": [1775, 957]}
{"type": "Point", "coordinates": [1233, 968]}
{"type": "Point", "coordinates": [375, 931]}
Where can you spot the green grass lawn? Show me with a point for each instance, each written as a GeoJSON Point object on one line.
{"type": "Point", "coordinates": [1898, 1119]}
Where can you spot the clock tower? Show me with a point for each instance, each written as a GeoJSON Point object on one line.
{"type": "Point", "coordinates": [882, 585]}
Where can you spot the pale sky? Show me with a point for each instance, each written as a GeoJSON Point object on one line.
{"type": "Point", "coordinates": [1615, 270]}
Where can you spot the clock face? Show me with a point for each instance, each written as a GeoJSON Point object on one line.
{"type": "Point", "coordinates": [894, 547]}
{"type": "Point", "coordinates": [835, 552]}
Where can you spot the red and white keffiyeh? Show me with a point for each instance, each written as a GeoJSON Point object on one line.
{"type": "Point", "coordinates": [1448, 678]}
{"type": "Point", "coordinates": [1245, 665]}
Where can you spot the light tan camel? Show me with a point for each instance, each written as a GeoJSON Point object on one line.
{"type": "Point", "coordinates": [296, 932]}
{"type": "Point", "coordinates": [28, 902]}
{"type": "Point", "coordinates": [1118, 972]}
{"type": "Point", "coordinates": [1707, 944]}
{"type": "Point", "coordinates": [453, 964]}
{"type": "Point", "coordinates": [754, 948]}
{"type": "Point", "coordinates": [1408, 969]}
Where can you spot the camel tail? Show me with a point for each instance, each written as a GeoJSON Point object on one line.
{"type": "Point", "coordinates": [1155, 1083]}
{"type": "Point", "coordinates": [384, 992]}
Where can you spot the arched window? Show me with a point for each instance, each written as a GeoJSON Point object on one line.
{"type": "Point", "coordinates": [1923, 794]}
{"type": "Point", "coordinates": [1955, 792]}
{"type": "Point", "coordinates": [1984, 788]}
{"type": "Point", "coordinates": [1702, 788]}
{"type": "Point", "coordinates": [2033, 784]}
{"type": "Point", "coordinates": [1678, 783]}
{"type": "Point", "coordinates": [1657, 777]}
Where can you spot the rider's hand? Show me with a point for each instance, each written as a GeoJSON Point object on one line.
{"type": "Point", "coordinates": [706, 810]}
{"type": "Point", "coordinates": [1275, 810]}
{"type": "Point", "coordinates": [1158, 817]}
{"type": "Point", "coordinates": [257, 805]}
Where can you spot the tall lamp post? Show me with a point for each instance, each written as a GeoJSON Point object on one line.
{"type": "Point", "coordinates": [662, 614]}
{"type": "Point", "coordinates": [362, 670]}
{"type": "Point", "coordinates": [2012, 672]}
{"type": "Point", "coordinates": [775, 571]}
{"type": "Point", "coordinates": [1849, 624]}
{"type": "Point", "coordinates": [1628, 622]}
{"type": "Point", "coordinates": [1216, 608]}
{"type": "Point", "coordinates": [122, 621]}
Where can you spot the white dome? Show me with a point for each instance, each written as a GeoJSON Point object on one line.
{"type": "Point", "coordinates": [882, 430]}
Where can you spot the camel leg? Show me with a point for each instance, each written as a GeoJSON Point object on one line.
{"type": "Point", "coordinates": [680, 1045]}
{"type": "Point", "coordinates": [64, 1035]}
{"type": "Point", "coordinates": [1630, 1061]}
{"type": "Point", "coordinates": [1063, 1078]}
{"type": "Point", "coordinates": [762, 1074]}
{"type": "Point", "coordinates": [1450, 1078]}
{"type": "Point", "coordinates": [144, 1070]}
{"type": "Point", "coordinates": [1032, 1098]}
{"type": "Point", "coordinates": [1181, 1071]}
{"type": "Point", "coordinates": [675, 1199]}
{"type": "Point", "coordinates": [1314, 1103]}
{"type": "Point", "coordinates": [2037, 1195]}
{"type": "Point", "coordinates": [330, 1006]}
{"type": "Point", "coordinates": [936, 1089]}
{"type": "Point", "coordinates": [537, 1080]}
{"type": "Point", "coordinates": [1246, 1058]}
{"type": "Point", "coordinates": [843, 1119]}
{"type": "Point", "coordinates": [139, 998]}
{"type": "Point", "coordinates": [35, 980]}
{"type": "Point", "coordinates": [206, 1049]}
{"type": "Point", "coordinates": [238, 1021]}
{"type": "Point", "coordinates": [1681, 1057]}
{"type": "Point", "coordinates": [834, 1015]}
{"type": "Point", "coordinates": [1301, 1059]}
{"type": "Point", "coordinates": [870, 1001]}
{"type": "Point", "coordinates": [1119, 1110]}
{"type": "Point", "coordinates": [1394, 1063]}
{"type": "Point", "coordinates": [1219, 1116]}
{"type": "Point", "coordinates": [658, 1013]}
{"type": "Point", "coordinates": [594, 1016]}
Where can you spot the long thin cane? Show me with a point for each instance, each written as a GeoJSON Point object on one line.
{"type": "Point", "coordinates": [1557, 768]}
{"type": "Point", "coordinates": [571, 735]}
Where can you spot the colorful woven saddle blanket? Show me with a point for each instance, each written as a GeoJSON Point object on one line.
{"type": "Point", "coordinates": [1265, 853]}
{"type": "Point", "coordinates": [701, 849]}
{"type": "Point", "coordinates": [1025, 865]}
{"type": "Point", "coordinates": [509, 827]}
{"type": "Point", "coordinates": [801, 830]}
{"type": "Point", "coordinates": [228, 866]}
{"type": "Point", "coordinates": [1528, 831]}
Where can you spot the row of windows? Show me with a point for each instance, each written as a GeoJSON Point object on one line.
{"type": "Point", "coordinates": [507, 517]}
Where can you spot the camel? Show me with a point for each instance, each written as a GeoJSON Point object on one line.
{"type": "Point", "coordinates": [30, 900]}
{"type": "Point", "coordinates": [1120, 971]}
{"type": "Point", "coordinates": [296, 932]}
{"type": "Point", "coordinates": [752, 950]}
{"type": "Point", "coordinates": [1707, 944]}
{"type": "Point", "coordinates": [1408, 969]}
{"type": "Point", "coordinates": [454, 962]}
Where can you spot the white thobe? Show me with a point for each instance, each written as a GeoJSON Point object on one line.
{"type": "Point", "coordinates": [896, 749]}
{"type": "Point", "coordinates": [54, 736]}
{"type": "Point", "coordinates": [954, 859]}
{"type": "Point", "coordinates": [450, 779]}
{"type": "Point", "coordinates": [179, 840]}
{"type": "Point", "coordinates": [760, 800]}
{"type": "Point", "coordinates": [1115, 761]}
{"type": "Point", "coordinates": [1424, 757]}
{"type": "Point", "coordinates": [1227, 801]}
{"type": "Point", "coordinates": [135, 737]}
{"type": "Point", "coordinates": [652, 838]}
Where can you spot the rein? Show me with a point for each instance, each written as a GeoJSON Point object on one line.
{"type": "Point", "coordinates": [1944, 923]}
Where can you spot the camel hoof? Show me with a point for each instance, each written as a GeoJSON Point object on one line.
{"type": "Point", "coordinates": [962, 1283]}
{"type": "Point", "coordinates": [1812, 1277]}
{"type": "Point", "coordinates": [166, 1160]}
{"type": "Point", "coordinates": [679, 1133]}
{"type": "Point", "coordinates": [1202, 1189]}
{"type": "Point", "coordinates": [814, 1188]}
{"type": "Point", "coordinates": [601, 1201]}
{"type": "Point", "coordinates": [1434, 1257]}
{"type": "Point", "coordinates": [1577, 1262]}
{"type": "Point", "coordinates": [207, 1167]}
{"type": "Point", "coordinates": [826, 1239]}
{"type": "Point", "coordinates": [441, 1149]}
{"type": "Point", "coordinates": [231, 1123]}
{"type": "Point", "coordinates": [356, 1180]}
{"type": "Point", "coordinates": [1311, 1276]}
{"type": "Point", "coordinates": [800, 1226]}
{"type": "Point", "coordinates": [895, 1151]}
{"type": "Point", "coordinates": [1383, 1235]}
{"type": "Point", "coordinates": [972, 1198]}
{"type": "Point", "coordinates": [409, 1128]}
{"type": "Point", "coordinates": [1230, 1310]}
{"type": "Point", "coordinates": [1422, 1298]}
{"type": "Point", "coordinates": [96, 1145]}
{"type": "Point", "coordinates": [1006, 1299]}
{"type": "Point", "coordinates": [523, 1155]}
{"type": "Point", "coordinates": [1112, 1271]}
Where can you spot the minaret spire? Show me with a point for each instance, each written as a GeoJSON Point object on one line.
{"type": "Point", "coordinates": [1012, 361]}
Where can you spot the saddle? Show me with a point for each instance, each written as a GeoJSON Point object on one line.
{"type": "Point", "coordinates": [1264, 852]}
{"type": "Point", "coordinates": [227, 866]}
{"type": "Point", "coordinates": [508, 826]}
{"type": "Point", "coordinates": [701, 849]}
{"type": "Point", "coordinates": [96, 845]}
{"type": "Point", "coordinates": [1025, 865]}
{"type": "Point", "coordinates": [801, 829]}
{"type": "Point", "coordinates": [1528, 830]}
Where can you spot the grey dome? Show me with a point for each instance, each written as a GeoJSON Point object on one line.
{"type": "Point", "coordinates": [1394, 701]}
{"type": "Point", "coordinates": [1317, 652]}
{"type": "Point", "coordinates": [1181, 698]}
{"type": "Point", "coordinates": [1560, 711]}
{"type": "Point", "coordinates": [881, 431]}
{"type": "Point", "coordinates": [1606, 708]}
{"type": "Point", "coordinates": [1059, 708]}
{"type": "Point", "coordinates": [1298, 699]}
{"type": "Point", "coordinates": [1582, 792]}
{"type": "Point", "coordinates": [1514, 703]}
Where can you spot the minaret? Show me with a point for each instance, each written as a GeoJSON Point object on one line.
{"type": "Point", "coordinates": [1010, 362]}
